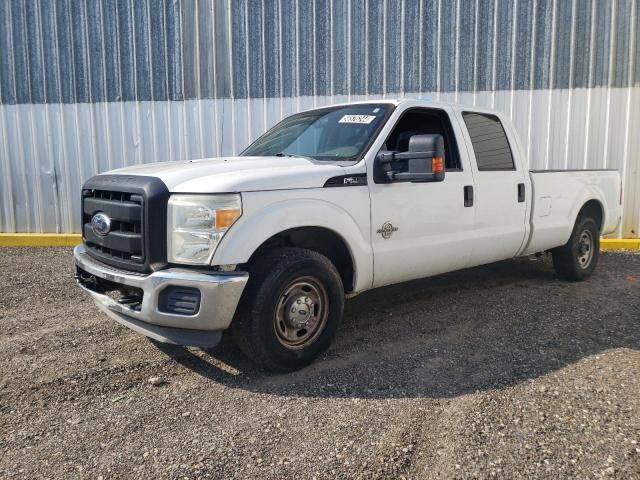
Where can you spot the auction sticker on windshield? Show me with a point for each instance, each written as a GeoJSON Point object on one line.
{"type": "Point", "coordinates": [357, 119]}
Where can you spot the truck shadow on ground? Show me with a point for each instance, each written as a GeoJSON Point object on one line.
{"type": "Point", "coordinates": [478, 329]}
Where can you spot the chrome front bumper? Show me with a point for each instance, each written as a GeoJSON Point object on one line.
{"type": "Point", "coordinates": [219, 297]}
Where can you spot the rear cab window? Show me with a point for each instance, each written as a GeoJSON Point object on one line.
{"type": "Point", "coordinates": [489, 140]}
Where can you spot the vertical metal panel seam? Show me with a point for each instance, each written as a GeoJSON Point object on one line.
{"type": "Point", "coordinates": [216, 132]}
{"type": "Point", "coordinates": [198, 104]}
{"type": "Point", "coordinates": [92, 126]}
{"type": "Point", "coordinates": [169, 93]}
{"type": "Point", "coordinates": [12, 59]}
{"type": "Point", "coordinates": [476, 51]}
{"type": "Point", "coordinates": [402, 34]}
{"type": "Point", "coordinates": [107, 118]}
{"type": "Point", "coordinates": [76, 114]}
{"type": "Point", "coordinates": [246, 63]}
{"type": "Point", "coordinates": [551, 83]}
{"type": "Point", "coordinates": [58, 204]}
{"type": "Point", "coordinates": [349, 41]}
{"type": "Point", "coordinates": [494, 54]}
{"type": "Point", "coordinates": [25, 30]}
{"type": "Point", "coordinates": [231, 78]}
{"type": "Point", "coordinates": [281, 61]}
{"type": "Point", "coordinates": [185, 147]}
{"type": "Point", "coordinates": [264, 72]}
{"type": "Point", "coordinates": [297, 50]}
{"type": "Point", "coordinates": [38, 35]}
{"type": "Point", "coordinates": [532, 57]}
{"type": "Point", "coordinates": [139, 147]}
{"type": "Point", "coordinates": [384, 49]}
{"type": "Point", "coordinates": [591, 53]}
{"type": "Point", "coordinates": [572, 37]}
{"type": "Point", "coordinates": [8, 204]}
{"type": "Point", "coordinates": [612, 47]}
{"type": "Point", "coordinates": [366, 50]}
{"type": "Point", "coordinates": [633, 195]}
{"type": "Point", "coordinates": [32, 161]}
{"type": "Point", "coordinates": [314, 50]}
{"type": "Point", "coordinates": [456, 62]}
{"type": "Point", "coordinates": [118, 78]}
{"type": "Point", "coordinates": [421, 41]}
{"type": "Point", "coordinates": [438, 48]}
{"type": "Point", "coordinates": [21, 147]}
{"type": "Point", "coordinates": [50, 158]}
{"type": "Point", "coordinates": [514, 31]}
{"type": "Point", "coordinates": [152, 109]}
{"type": "Point", "coordinates": [331, 51]}
{"type": "Point", "coordinates": [186, 144]}
{"type": "Point", "coordinates": [39, 219]}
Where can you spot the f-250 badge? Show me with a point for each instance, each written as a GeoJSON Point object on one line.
{"type": "Point", "coordinates": [387, 230]}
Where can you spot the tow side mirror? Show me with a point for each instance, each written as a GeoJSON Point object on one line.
{"type": "Point", "coordinates": [423, 162]}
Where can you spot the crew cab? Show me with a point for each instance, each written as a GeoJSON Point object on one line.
{"type": "Point", "coordinates": [327, 204]}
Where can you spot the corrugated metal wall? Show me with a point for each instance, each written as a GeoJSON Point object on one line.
{"type": "Point", "coordinates": [87, 86]}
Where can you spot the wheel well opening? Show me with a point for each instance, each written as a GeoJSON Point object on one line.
{"type": "Point", "coordinates": [593, 209]}
{"type": "Point", "coordinates": [321, 240]}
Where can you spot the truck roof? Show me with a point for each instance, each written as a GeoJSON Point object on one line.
{"type": "Point", "coordinates": [425, 102]}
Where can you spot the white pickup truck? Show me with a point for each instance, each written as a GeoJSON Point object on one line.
{"type": "Point", "coordinates": [327, 204]}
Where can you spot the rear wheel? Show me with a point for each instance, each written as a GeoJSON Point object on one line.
{"type": "Point", "coordinates": [577, 259]}
{"type": "Point", "coordinates": [290, 309]}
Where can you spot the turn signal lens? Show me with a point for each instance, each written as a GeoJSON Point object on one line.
{"type": "Point", "coordinates": [437, 165]}
{"type": "Point", "coordinates": [225, 217]}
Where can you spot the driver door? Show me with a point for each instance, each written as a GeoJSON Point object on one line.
{"type": "Point", "coordinates": [423, 229]}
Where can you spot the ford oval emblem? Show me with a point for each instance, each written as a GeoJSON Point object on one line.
{"type": "Point", "coordinates": [101, 223]}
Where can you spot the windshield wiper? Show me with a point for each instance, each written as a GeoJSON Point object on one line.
{"type": "Point", "coordinates": [282, 154]}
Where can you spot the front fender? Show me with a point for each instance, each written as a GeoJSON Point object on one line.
{"type": "Point", "coordinates": [266, 214]}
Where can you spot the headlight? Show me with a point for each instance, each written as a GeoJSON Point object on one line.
{"type": "Point", "coordinates": [197, 223]}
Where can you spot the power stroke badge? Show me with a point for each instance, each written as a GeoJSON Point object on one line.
{"type": "Point", "coordinates": [387, 230]}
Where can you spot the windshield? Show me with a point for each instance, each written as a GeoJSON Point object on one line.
{"type": "Point", "coordinates": [335, 133]}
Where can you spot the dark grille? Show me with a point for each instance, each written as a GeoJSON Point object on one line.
{"type": "Point", "coordinates": [136, 206]}
{"type": "Point", "coordinates": [124, 240]}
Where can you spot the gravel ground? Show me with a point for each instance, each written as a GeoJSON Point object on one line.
{"type": "Point", "coordinates": [501, 371]}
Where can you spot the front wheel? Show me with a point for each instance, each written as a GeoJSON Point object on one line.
{"type": "Point", "coordinates": [290, 309]}
{"type": "Point", "coordinates": [577, 259]}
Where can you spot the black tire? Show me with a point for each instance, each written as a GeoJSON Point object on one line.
{"type": "Point", "coordinates": [264, 328]}
{"type": "Point", "coordinates": [577, 259]}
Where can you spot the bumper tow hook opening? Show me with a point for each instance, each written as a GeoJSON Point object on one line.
{"type": "Point", "coordinates": [134, 302]}
{"type": "Point", "coordinates": [87, 280]}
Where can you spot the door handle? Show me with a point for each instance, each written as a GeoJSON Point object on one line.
{"type": "Point", "coordinates": [468, 195]}
{"type": "Point", "coordinates": [521, 192]}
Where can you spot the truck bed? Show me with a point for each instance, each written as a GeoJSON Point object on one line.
{"type": "Point", "coordinates": [558, 195]}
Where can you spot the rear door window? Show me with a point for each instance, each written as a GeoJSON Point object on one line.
{"type": "Point", "coordinates": [489, 140]}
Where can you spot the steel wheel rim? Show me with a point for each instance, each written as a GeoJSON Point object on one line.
{"type": "Point", "coordinates": [585, 249]}
{"type": "Point", "coordinates": [301, 312]}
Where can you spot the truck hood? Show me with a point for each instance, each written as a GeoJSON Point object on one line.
{"type": "Point", "coordinates": [238, 174]}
